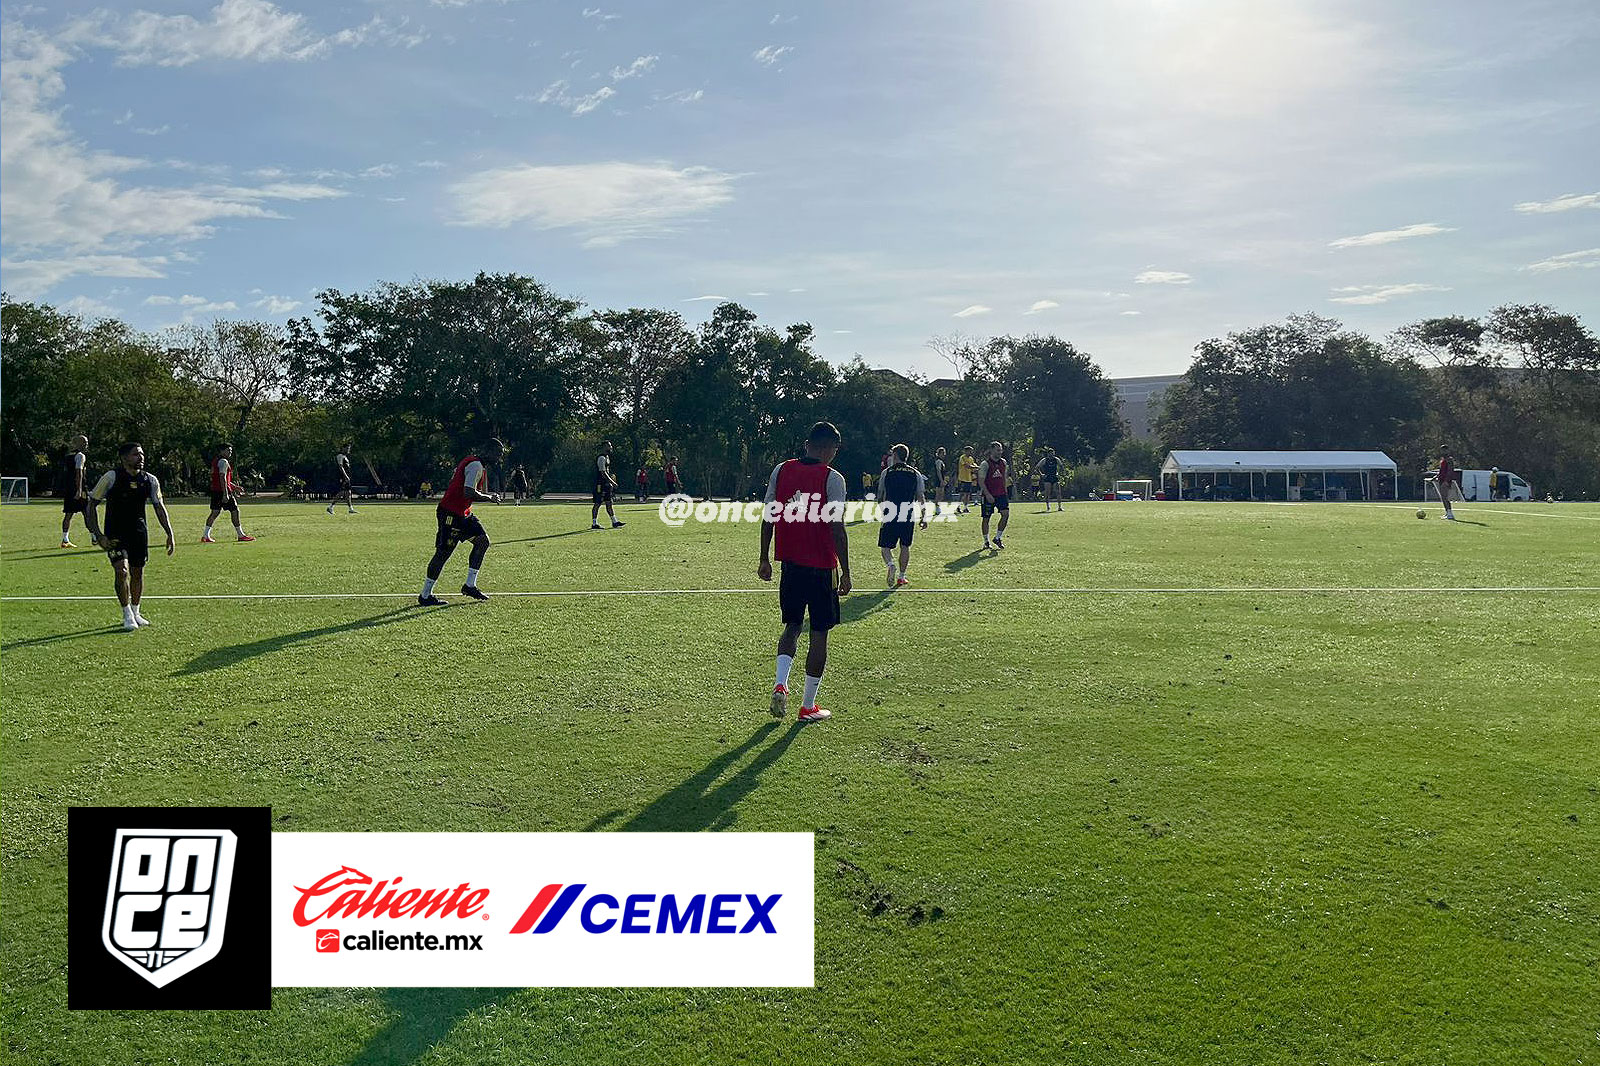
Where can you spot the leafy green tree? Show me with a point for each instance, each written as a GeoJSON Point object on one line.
{"type": "Point", "coordinates": [1060, 395]}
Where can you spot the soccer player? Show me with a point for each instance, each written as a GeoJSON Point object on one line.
{"type": "Point", "coordinates": [673, 485]}
{"type": "Point", "coordinates": [74, 486]}
{"type": "Point", "coordinates": [815, 560]}
{"type": "Point", "coordinates": [457, 522]}
{"type": "Point", "coordinates": [1049, 471]}
{"type": "Point", "coordinates": [940, 474]}
{"type": "Point", "coordinates": [899, 486]}
{"type": "Point", "coordinates": [519, 483]}
{"type": "Point", "coordinates": [994, 482]}
{"type": "Point", "coordinates": [125, 537]}
{"type": "Point", "coordinates": [966, 478]}
{"type": "Point", "coordinates": [604, 483]}
{"type": "Point", "coordinates": [1447, 481]}
{"type": "Point", "coordinates": [341, 463]}
{"type": "Point", "coordinates": [224, 496]}
{"type": "Point", "coordinates": [641, 484]}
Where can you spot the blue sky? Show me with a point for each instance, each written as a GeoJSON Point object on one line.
{"type": "Point", "coordinates": [1133, 175]}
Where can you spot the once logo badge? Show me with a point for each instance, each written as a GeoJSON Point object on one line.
{"type": "Point", "coordinates": [167, 901]}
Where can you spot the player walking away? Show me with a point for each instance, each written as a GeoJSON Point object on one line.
{"type": "Point", "coordinates": [73, 483]}
{"type": "Point", "coordinates": [992, 479]}
{"type": "Point", "coordinates": [224, 495]}
{"type": "Point", "coordinates": [341, 463]}
{"type": "Point", "coordinates": [1049, 471]}
{"type": "Point", "coordinates": [604, 484]}
{"type": "Point", "coordinates": [674, 487]}
{"type": "Point", "coordinates": [125, 537]}
{"type": "Point", "coordinates": [457, 522]}
{"type": "Point", "coordinates": [966, 479]}
{"type": "Point", "coordinates": [815, 561]}
{"type": "Point", "coordinates": [641, 485]}
{"type": "Point", "coordinates": [940, 473]}
{"type": "Point", "coordinates": [900, 485]}
{"type": "Point", "coordinates": [1447, 481]}
{"type": "Point", "coordinates": [519, 483]}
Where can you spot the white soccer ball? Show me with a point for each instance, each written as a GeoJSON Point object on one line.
{"type": "Point", "coordinates": [1421, 513]}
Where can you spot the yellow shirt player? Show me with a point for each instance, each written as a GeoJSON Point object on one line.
{"type": "Point", "coordinates": [966, 478]}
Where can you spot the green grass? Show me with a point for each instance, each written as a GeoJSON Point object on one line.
{"type": "Point", "coordinates": [1254, 827]}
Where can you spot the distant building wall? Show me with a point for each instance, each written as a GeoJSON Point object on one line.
{"type": "Point", "coordinates": [1139, 400]}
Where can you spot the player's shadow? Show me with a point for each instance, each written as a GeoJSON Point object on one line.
{"type": "Point", "coordinates": [33, 555]}
{"type": "Point", "coordinates": [972, 558]}
{"type": "Point", "coordinates": [543, 536]}
{"type": "Point", "coordinates": [858, 605]}
{"type": "Point", "coordinates": [233, 654]}
{"type": "Point", "coordinates": [423, 1018]}
{"type": "Point", "coordinates": [705, 801]}
{"type": "Point", "coordinates": [1470, 522]}
{"type": "Point", "coordinates": [51, 638]}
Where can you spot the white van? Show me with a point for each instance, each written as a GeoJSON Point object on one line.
{"type": "Point", "coordinates": [1475, 487]}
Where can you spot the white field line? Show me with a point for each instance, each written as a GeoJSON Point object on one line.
{"type": "Point", "coordinates": [1237, 590]}
{"type": "Point", "coordinates": [1433, 507]}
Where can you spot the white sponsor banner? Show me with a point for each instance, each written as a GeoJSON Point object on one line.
{"type": "Point", "coordinates": [520, 910]}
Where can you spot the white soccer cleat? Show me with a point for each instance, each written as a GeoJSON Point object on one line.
{"type": "Point", "coordinates": [129, 623]}
{"type": "Point", "coordinates": [138, 616]}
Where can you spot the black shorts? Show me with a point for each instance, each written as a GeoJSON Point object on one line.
{"type": "Point", "coordinates": [454, 528]}
{"type": "Point", "coordinates": [221, 501]}
{"type": "Point", "coordinates": [672, 488]}
{"type": "Point", "coordinates": [1048, 479]}
{"type": "Point", "coordinates": [809, 588]}
{"type": "Point", "coordinates": [1001, 503]}
{"type": "Point", "coordinates": [602, 492]}
{"type": "Point", "coordinates": [74, 505]}
{"type": "Point", "coordinates": [130, 544]}
{"type": "Point", "coordinates": [892, 533]}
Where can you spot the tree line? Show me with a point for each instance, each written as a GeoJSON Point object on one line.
{"type": "Point", "coordinates": [417, 374]}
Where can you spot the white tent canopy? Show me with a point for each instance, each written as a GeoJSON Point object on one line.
{"type": "Point", "coordinates": [1270, 463]}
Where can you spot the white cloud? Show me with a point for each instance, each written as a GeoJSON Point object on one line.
{"type": "Point", "coordinates": [683, 96]}
{"type": "Point", "coordinates": [89, 307]}
{"type": "Point", "coordinates": [596, 13]}
{"type": "Point", "coordinates": [770, 54]}
{"type": "Point", "coordinates": [1560, 203]}
{"type": "Point", "coordinates": [971, 311]}
{"type": "Point", "coordinates": [1130, 314]}
{"type": "Point", "coordinates": [797, 290]}
{"type": "Point", "coordinates": [757, 294]}
{"type": "Point", "coordinates": [1389, 236]}
{"type": "Point", "coordinates": [1584, 260]}
{"type": "Point", "coordinates": [606, 202]}
{"type": "Point", "coordinates": [556, 93]}
{"type": "Point", "coordinates": [1040, 305]}
{"type": "Point", "coordinates": [780, 20]}
{"type": "Point", "coordinates": [1379, 294]}
{"type": "Point", "coordinates": [1162, 277]}
{"type": "Point", "coordinates": [639, 66]}
{"type": "Point", "coordinates": [276, 305]}
{"type": "Point", "coordinates": [152, 131]}
{"type": "Point", "coordinates": [66, 209]}
{"type": "Point", "coordinates": [844, 331]}
{"type": "Point", "coordinates": [382, 170]}
{"type": "Point", "coordinates": [700, 299]}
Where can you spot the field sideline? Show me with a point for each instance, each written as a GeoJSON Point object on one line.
{"type": "Point", "coordinates": [1063, 814]}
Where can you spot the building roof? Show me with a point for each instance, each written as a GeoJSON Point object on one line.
{"type": "Point", "coordinates": [1190, 461]}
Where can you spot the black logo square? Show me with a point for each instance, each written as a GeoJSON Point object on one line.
{"type": "Point", "coordinates": [167, 908]}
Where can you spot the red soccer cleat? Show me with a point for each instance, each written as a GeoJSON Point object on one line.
{"type": "Point", "coordinates": [780, 701]}
{"type": "Point", "coordinates": [245, 538]}
{"type": "Point", "coordinates": [814, 714]}
{"type": "Point", "coordinates": [208, 540]}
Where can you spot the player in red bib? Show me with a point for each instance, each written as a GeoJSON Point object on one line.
{"type": "Point", "coordinates": [814, 553]}
{"type": "Point", "coordinates": [224, 495]}
{"type": "Point", "coordinates": [1447, 481]}
{"type": "Point", "coordinates": [993, 479]}
{"type": "Point", "coordinates": [673, 486]}
{"type": "Point", "coordinates": [468, 485]}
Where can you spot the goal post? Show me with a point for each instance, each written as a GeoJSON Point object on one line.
{"type": "Point", "coordinates": [1140, 487]}
{"type": "Point", "coordinates": [13, 489]}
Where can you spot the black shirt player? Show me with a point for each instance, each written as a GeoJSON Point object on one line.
{"type": "Point", "coordinates": [125, 491]}
{"type": "Point", "coordinates": [900, 486]}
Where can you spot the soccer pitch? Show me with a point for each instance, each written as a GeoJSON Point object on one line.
{"type": "Point", "coordinates": [1057, 818]}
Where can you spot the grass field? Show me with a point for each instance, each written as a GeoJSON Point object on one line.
{"type": "Point", "coordinates": [1052, 826]}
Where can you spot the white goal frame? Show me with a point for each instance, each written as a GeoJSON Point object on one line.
{"type": "Point", "coordinates": [1146, 492]}
{"type": "Point", "coordinates": [8, 489]}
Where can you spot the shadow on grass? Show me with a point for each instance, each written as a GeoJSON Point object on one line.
{"type": "Point", "coordinates": [233, 654]}
{"type": "Point", "coordinates": [858, 605]}
{"type": "Point", "coordinates": [51, 638]}
{"type": "Point", "coordinates": [423, 1018]}
{"type": "Point", "coordinates": [972, 558]}
{"type": "Point", "coordinates": [33, 555]}
{"type": "Point", "coordinates": [700, 802]}
{"type": "Point", "coordinates": [544, 536]}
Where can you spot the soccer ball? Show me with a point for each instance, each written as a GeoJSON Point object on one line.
{"type": "Point", "coordinates": [1421, 513]}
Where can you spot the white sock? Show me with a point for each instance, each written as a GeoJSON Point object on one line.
{"type": "Point", "coordinates": [812, 684]}
{"type": "Point", "coordinates": [427, 586]}
{"type": "Point", "coordinates": [785, 664]}
{"type": "Point", "coordinates": [128, 613]}
{"type": "Point", "coordinates": [238, 531]}
{"type": "Point", "coordinates": [472, 578]}
{"type": "Point", "coordinates": [137, 613]}
{"type": "Point", "coordinates": [208, 531]}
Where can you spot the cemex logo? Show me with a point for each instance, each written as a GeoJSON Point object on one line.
{"type": "Point", "coordinates": [168, 891]}
{"type": "Point", "coordinates": [645, 912]}
{"type": "Point", "coordinates": [358, 897]}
